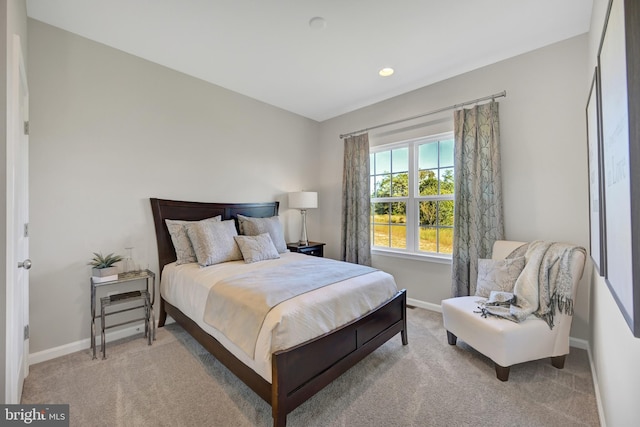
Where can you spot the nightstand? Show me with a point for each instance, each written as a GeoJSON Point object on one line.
{"type": "Point", "coordinates": [142, 299]}
{"type": "Point", "coordinates": [313, 248]}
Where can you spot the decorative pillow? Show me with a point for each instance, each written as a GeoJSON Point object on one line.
{"type": "Point", "coordinates": [498, 275]}
{"type": "Point", "coordinates": [257, 248]}
{"type": "Point", "coordinates": [213, 242]}
{"type": "Point", "coordinates": [250, 226]}
{"type": "Point", "coordinates": [180, 239]}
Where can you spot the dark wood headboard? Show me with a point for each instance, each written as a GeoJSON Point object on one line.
{"type": "Point", "coordinates": [195, 211]}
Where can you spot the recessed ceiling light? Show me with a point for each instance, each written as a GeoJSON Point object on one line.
{"type": "Point", "coordinates": [318, 23]}
{"type": "Point", "coordinates": [386, 71]}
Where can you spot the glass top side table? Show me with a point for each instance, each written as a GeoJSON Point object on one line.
{"type": "Point", "coordinates": [150, 280]}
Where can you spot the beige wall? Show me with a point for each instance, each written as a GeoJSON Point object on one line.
{"type": "Point", "coordinates": [543, 150]}
{"type": "Point", "coordinates": [615, 351]}
{"type": "Point", "coordinates": [108, 131]}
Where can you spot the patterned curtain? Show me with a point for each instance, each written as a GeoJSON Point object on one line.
{"type": "Point", "coordinates": [356, 205]}
{"type": "Point", "coordinates": [478, 220]}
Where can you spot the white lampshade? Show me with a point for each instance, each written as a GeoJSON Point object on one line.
{"type": "Point", "coordinates": [303, 200]}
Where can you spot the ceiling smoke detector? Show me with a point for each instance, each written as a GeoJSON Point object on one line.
{"type": "Point", "coordinates": [318, 23]}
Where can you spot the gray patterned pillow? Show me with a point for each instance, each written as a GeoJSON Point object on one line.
{"type": "Point", "coordinates": [498, 275]}
{"type": "Point", "coordinates": [257, 248]}
{"type": "Point", "coordinates": [213, 242]}
{"type": "Point", "coordinates": [250, 226]}
{"type": "Point", "coordinates": [181, 241]}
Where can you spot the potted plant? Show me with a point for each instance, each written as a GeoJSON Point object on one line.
{"type": "Point", "coordinates": [103, 264]}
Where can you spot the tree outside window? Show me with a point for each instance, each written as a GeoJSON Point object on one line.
{"type": "Point", "coordinates": [412, 188]}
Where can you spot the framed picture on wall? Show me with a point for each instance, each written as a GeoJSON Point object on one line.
{"type": "Point", "coordinates": [597, 229]}
{"type": "Point", "coordinates": [619, 67]}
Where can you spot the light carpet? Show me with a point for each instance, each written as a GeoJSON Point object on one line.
{"type": "Point", "coordinates": [175, 382]}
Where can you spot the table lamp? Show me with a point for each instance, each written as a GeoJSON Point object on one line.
{"type": "Point", "coordinates": [303, 200]}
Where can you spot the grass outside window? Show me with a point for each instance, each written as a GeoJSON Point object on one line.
{"type": "Point", "coordinates": [412, 196]}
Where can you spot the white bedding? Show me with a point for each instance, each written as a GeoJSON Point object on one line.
{"type": "Point", "coordinates": [290, 323]}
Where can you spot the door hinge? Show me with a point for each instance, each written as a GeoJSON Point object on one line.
{"type": "Point", "coordinates": [26, 332]}
{"type": "Point", "coordinates": [26, 230]}
{"type": "Point", "coordinates": [26, 128]}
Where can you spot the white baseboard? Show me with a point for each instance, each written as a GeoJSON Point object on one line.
{"type": "Point", "coordinates": [425, 305]}
{"type": "Point", "coordinates": [596, 388]}
{"type": "Point", "coordinates": [85, 344]}
{"type": "Point", "coordinates": [579, 343]}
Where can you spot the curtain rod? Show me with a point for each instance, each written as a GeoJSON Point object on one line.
{"type": "Point", "coordinates": [451, 107]}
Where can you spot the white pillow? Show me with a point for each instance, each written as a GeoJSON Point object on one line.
{"type": "Point", "coordinates": [180, 239]}
{"type": "Point", "coordinates": [498, 275]}
{"type": "Point", "coordinates": [213, 242]}
{"type": "Point", "coordinates": [257, 248]}
{"type": "Point", "coordinates": [250, 226]}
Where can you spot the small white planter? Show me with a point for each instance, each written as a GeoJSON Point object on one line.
{"type": "Point", "coordinates": [103, 272]}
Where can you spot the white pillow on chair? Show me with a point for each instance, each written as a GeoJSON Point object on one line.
{"type": "Point", "coordinates": [498, 275]}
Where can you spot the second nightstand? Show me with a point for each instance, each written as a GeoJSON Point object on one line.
{"type": "Point", "coordinates": [313, 248]}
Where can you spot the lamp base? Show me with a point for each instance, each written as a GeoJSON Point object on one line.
{"type": "Point", "coordinates": [304, 241]}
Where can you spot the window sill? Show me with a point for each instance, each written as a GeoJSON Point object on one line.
{"type": "Point", "coordinates": [440, 259]}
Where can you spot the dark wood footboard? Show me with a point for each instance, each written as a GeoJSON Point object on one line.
{"type": "Point", "coordinates": [301, 371]}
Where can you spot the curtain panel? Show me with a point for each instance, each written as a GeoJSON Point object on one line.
{"type": "Point", "coordinates": [478, 214]}
{"type": "Point", "coordinates": [356, 204]}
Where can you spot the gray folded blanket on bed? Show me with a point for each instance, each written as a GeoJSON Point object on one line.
{"type": "Point", "coordinates": [545, 285]}
{"type": "Point", "coordinates": [238, 305]}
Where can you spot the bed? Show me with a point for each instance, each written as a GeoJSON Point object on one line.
{"type": "Point", "coordinates": [300, 371]}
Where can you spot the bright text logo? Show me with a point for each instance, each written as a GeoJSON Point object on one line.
{"type": "Point", "coordinates": [36, 415]}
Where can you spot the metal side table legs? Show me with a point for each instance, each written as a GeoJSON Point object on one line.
{"type": "Point", "coordinates": [127, 297]}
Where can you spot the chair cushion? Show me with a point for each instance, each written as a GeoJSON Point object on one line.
{"type": "Point", "coordinates": [503, 341]}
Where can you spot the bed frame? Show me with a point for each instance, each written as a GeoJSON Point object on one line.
{"type": "Point", "coordinates": [298, 372]}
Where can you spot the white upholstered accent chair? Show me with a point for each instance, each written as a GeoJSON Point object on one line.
{"type": "Point", "coordinates": [505, 342]}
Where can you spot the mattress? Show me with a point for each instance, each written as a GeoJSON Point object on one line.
{"type": "Point", "coordinates": [291, 322]}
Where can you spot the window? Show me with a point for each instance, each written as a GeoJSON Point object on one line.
{"type": "Point", "coordinates": [412, 189]}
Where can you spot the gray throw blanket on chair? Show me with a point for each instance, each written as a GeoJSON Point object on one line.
{"type": "Point", "coordinates": [545, 284]}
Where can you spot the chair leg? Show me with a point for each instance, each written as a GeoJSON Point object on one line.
{"type": "Point", "coordinates": [558, 361]}
{"type": "Point", "coordinates": [451, 338]}
{"type": "Point", "coordinates": [502, 372]}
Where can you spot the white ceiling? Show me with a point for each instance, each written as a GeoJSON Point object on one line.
{"type": "Point", "coordinates": [267, 50]}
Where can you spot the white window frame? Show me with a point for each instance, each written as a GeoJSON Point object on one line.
{"type": "Point", "coordinates": [412, 201]}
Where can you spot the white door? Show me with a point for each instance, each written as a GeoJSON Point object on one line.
{"type": "Point", "coordinates": [18, 263]}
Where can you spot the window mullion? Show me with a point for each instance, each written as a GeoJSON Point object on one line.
{"type": "Point", "coordinates": [412, 218]}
